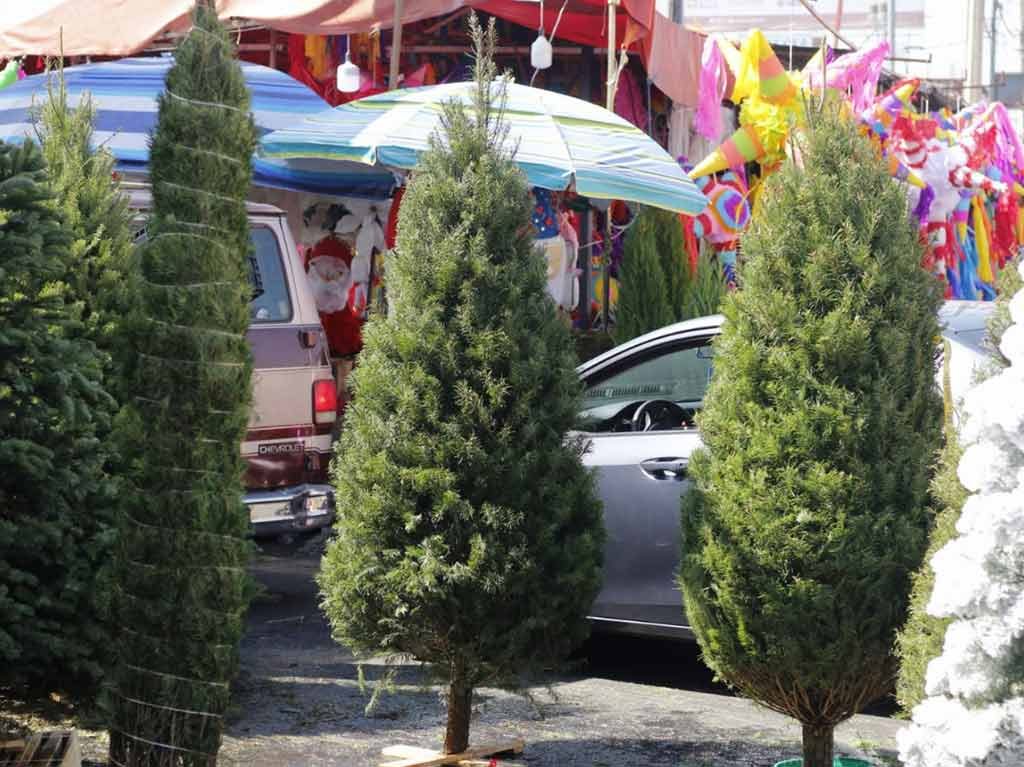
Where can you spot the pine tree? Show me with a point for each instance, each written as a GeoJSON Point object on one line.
{"type": "Point", "coordinates": [469, 535]}
{"type": "Point", "coordinates": [184, 587]}
{"type": "Point", "coordinates": [644, 282]}
{"type": "Point", "coordinates": [91, 272]}
{"type": "Point", "coordinates": [95, 209]}
{"type": "Point", "coordinates": [52, 404]}
{"type": "Point", "coordinates": [821, 425]}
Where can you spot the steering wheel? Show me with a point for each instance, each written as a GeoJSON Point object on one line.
{"type": "Point", "coordinates": [654, 411]}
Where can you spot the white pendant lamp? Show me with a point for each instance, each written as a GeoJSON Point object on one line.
{"type": "Point", "coordinates": [540, 52]}
{"type": "Point", "coordinates": [348, 73]}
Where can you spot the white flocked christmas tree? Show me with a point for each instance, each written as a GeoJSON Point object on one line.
{"type": "Point", "coordinates": [974, 713]}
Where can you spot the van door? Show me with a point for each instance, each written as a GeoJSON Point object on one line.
{"type": "Point", "coordinates": [285, 445]}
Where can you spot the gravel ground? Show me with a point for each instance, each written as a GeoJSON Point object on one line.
{"type": "Point", "coordinates": [299, 701]}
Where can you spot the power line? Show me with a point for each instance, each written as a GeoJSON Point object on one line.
{"type": "Point", "coordinates": [1006, 26]}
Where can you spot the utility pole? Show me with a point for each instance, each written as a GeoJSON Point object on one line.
{"type": "Point", "coordinates": [891, 18]}
{"type": "Point", "coordinates": [975, 45]}
{"type": "Point", "coordinates": [992, 52]}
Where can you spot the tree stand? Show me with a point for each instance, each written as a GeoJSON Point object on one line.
{"type": "Point", "coordinates": [411, 756]}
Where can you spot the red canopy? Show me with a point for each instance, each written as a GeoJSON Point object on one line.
{"type": "Point", "coordinates": [584, 21]}
{"type": "Point", "coordinates": [671, 54]}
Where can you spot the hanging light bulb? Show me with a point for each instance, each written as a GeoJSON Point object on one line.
{"type": "Point", "coordinates": [348, 73]}
{"type": "Point", "coordinates": [540, 52]}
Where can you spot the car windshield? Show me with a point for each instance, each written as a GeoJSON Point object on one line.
{"type": "Point", "coordinates": [680, 376]}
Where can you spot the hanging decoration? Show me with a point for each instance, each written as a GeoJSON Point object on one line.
{"type": "Point", "coordinates": [963, 172]}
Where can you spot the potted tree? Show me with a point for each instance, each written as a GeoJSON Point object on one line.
{"type": "Point", "coordinates": [811, 502]}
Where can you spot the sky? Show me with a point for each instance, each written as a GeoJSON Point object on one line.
{"type": "Point", "coordinates": [938, 27]}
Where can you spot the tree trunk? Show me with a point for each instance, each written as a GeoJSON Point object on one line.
{"type": "Point", "coordinates": [460, 703]}
{"type": "Point", "coordinates": [818, 745]}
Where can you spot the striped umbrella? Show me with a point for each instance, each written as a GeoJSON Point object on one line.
{"type": "Point", "coordinates": [561, 142]}
{"type": "Point", "coordinates": [124, 94]}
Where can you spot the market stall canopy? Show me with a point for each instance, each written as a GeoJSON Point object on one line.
{"type": "Point", "coordinates": [124, 94]}
{"type": "Point", "coordinates": [584, 21]}
{"type": "Point", "coordinates": [107, 27]}
{"type": "Point", "coordinates": [560, 142]}
{"type": "Point", "coordinates": [118, 27]}
{"type": "Point", "coordinates": [670, 52]}
{"type": "Point", "coordinates": [333, 17]}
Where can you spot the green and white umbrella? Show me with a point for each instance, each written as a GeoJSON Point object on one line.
{"type": "Point", "coordinates": [560, 141]}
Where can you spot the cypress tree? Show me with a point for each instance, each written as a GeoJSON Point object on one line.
{"type": "Point", "coordinates": [469, 535]}
{"type": "Point", "coordinates": [675, 266]}
{"type": "Point", "coordinates": [811, 507]}
{"type": "Point", "coordinates": [644, 282]}
{"type": "Point", "coordinates": [706, 290]}
{"type": "Point", "coordinates": [183, 582]}
{"type": "Point", "coordinates": [52, 405]}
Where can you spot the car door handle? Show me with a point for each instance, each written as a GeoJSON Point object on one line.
{"type": "Point", "coordinates": [664, 468]}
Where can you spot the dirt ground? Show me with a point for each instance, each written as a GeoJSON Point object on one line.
{"type": "Point", "coordinates": [299, 702]}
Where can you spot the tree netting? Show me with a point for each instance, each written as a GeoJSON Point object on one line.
{"type": "Point", "coordinates": [183, 582]}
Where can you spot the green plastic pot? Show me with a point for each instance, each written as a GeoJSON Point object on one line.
{"type": "Point", "coordinates": [839, 761]}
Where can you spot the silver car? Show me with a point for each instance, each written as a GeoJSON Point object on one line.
{"type": "Point", "coordinates": [639, 412]}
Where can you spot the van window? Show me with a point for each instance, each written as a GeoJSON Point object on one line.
{"type": "Point", "coordinates": [270, 300]}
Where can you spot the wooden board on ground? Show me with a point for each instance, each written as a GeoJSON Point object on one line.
{"type": "Point", "coordinates": [58, 748]}
{"type": "Point", "coordinates": [411, 756]}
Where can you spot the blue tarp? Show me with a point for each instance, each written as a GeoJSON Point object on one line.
{"type": "Point", "coordinates": [124, 94]}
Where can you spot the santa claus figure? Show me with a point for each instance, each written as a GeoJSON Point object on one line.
{"type": "Point", "coordinates": [329, 269]}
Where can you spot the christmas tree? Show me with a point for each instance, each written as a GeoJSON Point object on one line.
{"type": "Point", "coordinates": [90, 275]}
{"type": "Point", "coordinates": [184, 587]}
{"type": "Point", "coordinates": [974, 713]}
{"type": "Point", "coordinates": [94, 207]}
{"type": "Point", "coordinates": [645, 303]}
{"type": "Point", "coordinates": [52, 405]}
{"type": "Point", "coordinates": [822, 422]}
{"type": "Point", "coordinates": [469, 536]}
{"type": "Point", "coordinates": [707, 288]}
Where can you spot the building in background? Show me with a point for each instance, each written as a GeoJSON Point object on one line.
{"type": "Point", "coordinates": [939, 30]}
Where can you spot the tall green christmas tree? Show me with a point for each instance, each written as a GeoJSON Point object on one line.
{"type": "Point", "coordinates": [184, 587]}
{"type": "Point", "coordinates": [822, 424]}
{"type": "Point", "coordinates": [469, 535]}
{"type": "Point", "coordinates": [644, 303]}
{"type": "Point", "coordinates": [707, 289]}
{"type": "Point", "coordinates": [88, 277]}
{"type": "Point", "coordinates": [675, 266]}
{"type": "Point", "coordinates": [94, 207]}
{"type": "Point", "coordinates": [656, 286]}
{"type": "Point", "coordinates": [52, 405]}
